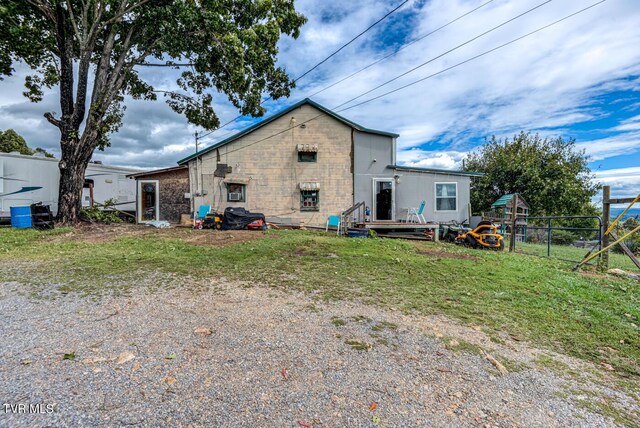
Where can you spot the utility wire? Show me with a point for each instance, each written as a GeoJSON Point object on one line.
{"type": "Point", "coordinates": [428, 77]}
{"type": "Point", "coordinates": [472, 58]}
{"type": "Point", "coordinates": [400, 49]}
{"type": "Point", "coordinates": [321, 62]}
{"type": "Point", "coordinates": [425, 63]}
{"type": "Point", "coordinates": [448, 52]}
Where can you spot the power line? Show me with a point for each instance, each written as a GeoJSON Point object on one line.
{"type": "Point", "coordinates": [352, 40]}
{"type": "Point", "coordinates": [323, 61]}
{"type": "Point", "coordinates": [425, 63]}
{"type": "Point", "coordinates": [474, 57]}
{"type": "Point", "coordinates": [448, 52]}
{"type": "Point", "coordinates": [401, 48]}
{"type": "Point", "coordinates": [430, 76]}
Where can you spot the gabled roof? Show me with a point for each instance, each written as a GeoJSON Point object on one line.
{"type": "Point", "coordinates": [436, 170]}
{"type": "Point", "coordinates": [506, 201]}
{"type": "Point", "coordinates": [156, 171]}
{"type": "Point", "coordinates": [277, 116]}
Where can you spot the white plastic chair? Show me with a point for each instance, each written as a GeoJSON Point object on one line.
{"type": "Point", "coordinates": [416, 213]}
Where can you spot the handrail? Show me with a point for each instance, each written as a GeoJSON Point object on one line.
{"type": "Point", "coordinates": [345, 217]}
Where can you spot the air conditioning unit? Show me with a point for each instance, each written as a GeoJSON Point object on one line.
{"type": "Point", "coordinates": [235, 196]}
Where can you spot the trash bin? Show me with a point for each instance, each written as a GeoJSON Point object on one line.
{"type": "Point", "coordinates": [21, 217]}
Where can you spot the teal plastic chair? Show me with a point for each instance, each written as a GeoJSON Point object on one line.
{"type": "Point", "coordinates": [203, 210]}
{"type": "Point", "coordinates": [417, 213]}
{"type": "Point", "coordinates": [333, 221]}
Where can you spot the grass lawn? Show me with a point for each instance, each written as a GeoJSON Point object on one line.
{"type": "Point", "coordinates": [569, 252]}
{"type": "Point", "coordinates": [593, 317]}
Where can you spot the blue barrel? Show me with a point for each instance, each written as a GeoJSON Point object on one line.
{"type": "Point", "coordinates": [21, 217]}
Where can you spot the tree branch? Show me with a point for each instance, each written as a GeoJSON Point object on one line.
{"type": "Point", "coordinates": [44, 9]}
{"type": "Point", "coordinates": [149, 64]}
{"type": "Point", "coordinates": [52, 120]}
{"type": "Point", "coordinates": [119, 15]}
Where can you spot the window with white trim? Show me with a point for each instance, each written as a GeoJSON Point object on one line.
{"type": "Point", "coordinates": [446, 196]}
{"type": "Point", "coordinates": [235, 192]}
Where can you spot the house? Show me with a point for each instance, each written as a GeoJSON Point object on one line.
{"type": "Point", "coordinates": [306, 162]}
{"type": "Point", "coordinates": [27, 179]}
{"type": "Point", "coordinates": [162, 194]}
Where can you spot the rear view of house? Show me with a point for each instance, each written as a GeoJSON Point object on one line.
{"type": "Point", "coordinates": [306, 163]}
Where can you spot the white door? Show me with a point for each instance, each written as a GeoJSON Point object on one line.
{"type": "Point", "coordinates": [148, 201]}
{"type": "Point", "coordinates": [384, 199]}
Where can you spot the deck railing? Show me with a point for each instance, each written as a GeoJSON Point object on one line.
{"type": "Point", "coordinates": [352, 216]}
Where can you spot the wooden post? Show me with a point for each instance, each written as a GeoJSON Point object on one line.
{"type": "Point", "coordinates": [514, 217]}
{"type": "Point", "coordinates": [606, 216]}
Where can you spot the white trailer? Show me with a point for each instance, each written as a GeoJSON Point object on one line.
{"type": "Point", "coordinates": [25, 180]}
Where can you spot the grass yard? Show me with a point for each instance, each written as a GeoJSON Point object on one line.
{"type": "Point", "coordinates": [585, 315]}
{"type": "Point", "coordinates": [569, 252]}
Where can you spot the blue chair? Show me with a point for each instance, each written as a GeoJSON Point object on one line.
{"type": "Point", "coordinates": [203, 210]}
{"type": "Point", "coordinates": [416, 213]}
{"type": "Point", "coordinates": [333, 221]}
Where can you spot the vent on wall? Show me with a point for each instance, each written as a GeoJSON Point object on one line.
{"type": "Point", "coordinates": [222, 169]}
{"type": "Point", "coordinates": [235, 196]}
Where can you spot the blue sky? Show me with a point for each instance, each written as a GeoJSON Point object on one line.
{"type": "Point", "coordinates": [579, 79]}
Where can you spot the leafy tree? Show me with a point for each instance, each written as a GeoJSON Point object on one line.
{"type": "Point", "coordinates": [93, 51]}
{"type": "Point", "coordinates": [11, 141]}
{"type": "Point", "coordinates": [549, 173]}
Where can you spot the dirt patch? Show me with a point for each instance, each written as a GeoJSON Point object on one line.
{"type": "Point", "coordinates": [100, 233]}
{"type": "Point", "coordinates": [446, 255]}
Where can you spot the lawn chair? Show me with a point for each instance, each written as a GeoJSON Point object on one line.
{"type": "Point", "coordinates": [333, 221]}
{"type": "Point", "coordinates": [416, 213]}
{"type": "Point", "coordinates": [202, 212]}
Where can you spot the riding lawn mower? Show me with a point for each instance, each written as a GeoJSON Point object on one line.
{"type": "Point", "coordinates": [484, 236]}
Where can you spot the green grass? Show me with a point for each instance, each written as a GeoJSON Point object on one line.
{"type": "Point", "coordinates": [537, 299]}
{"type": "Point", "coordinates": [569, 252]}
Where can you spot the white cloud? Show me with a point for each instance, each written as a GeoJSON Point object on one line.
{"type": "Point", "coordinates": [549, 80]}
{"type": "Point", "coordinates": [624, 182]}
{"type": "Point", "coordinates": [626, 143]}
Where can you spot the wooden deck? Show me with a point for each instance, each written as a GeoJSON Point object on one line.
{"type": "Point", "coordinates": [398, 225]}
{"type": "Point", "coordinates": [387, 227]}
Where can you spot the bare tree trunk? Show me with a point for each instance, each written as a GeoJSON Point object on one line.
{"type": "Point", "coordinates": [70, 191]}
{"type": "Point", "coordinates": [76, 154]}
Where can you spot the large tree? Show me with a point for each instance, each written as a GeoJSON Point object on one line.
{"type": "Point", "coordinates": [551, 174]}
{"type": "Point", "coordinates": [92, 50]}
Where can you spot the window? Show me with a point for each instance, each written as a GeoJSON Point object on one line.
{"type": "Point", "coordinates": [235, 192]}
{"type": "Point", "coordinates": [446, 196]}
{"type": "Point", "coordinates": [307, 156]}
{"type": "Point", "coordinates": [309, 200]}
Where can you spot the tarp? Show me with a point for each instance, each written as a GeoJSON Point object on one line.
{"type": "Point", "coordinates": [238, 218]}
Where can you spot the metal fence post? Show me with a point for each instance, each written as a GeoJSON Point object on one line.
{"type": "Point", "coordinates": [514, 216]}
{"type": "Point", "coordinates": [606, 218]}
{"type": "Point", "coordinates": [549, 238]}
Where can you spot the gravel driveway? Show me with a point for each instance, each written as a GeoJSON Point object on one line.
{"type": "Point", "coordinates": [227, 355]}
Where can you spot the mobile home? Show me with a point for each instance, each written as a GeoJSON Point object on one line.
{"type": "Point", "coordinates": [25, 180]}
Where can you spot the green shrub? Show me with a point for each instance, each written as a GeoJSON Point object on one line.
{"type": "Point", "coordinates": [105, 214]}
{"type": "Point", "coordinates": [563, 237]}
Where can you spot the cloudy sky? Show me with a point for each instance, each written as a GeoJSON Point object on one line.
{"type": "Point", "coordinates": [578, 79]}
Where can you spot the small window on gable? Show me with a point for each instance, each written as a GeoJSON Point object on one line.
{"type": "Point", "coordinates": [446, 196]}
{"type": "Point", "coordinates": [236, 192]}
{"type": "Point", "coordinates": [307, 152]}
{"type": "Point", "coordinates": [307, 156]}
{"type": "Point", "coordinates": [309, 200]}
